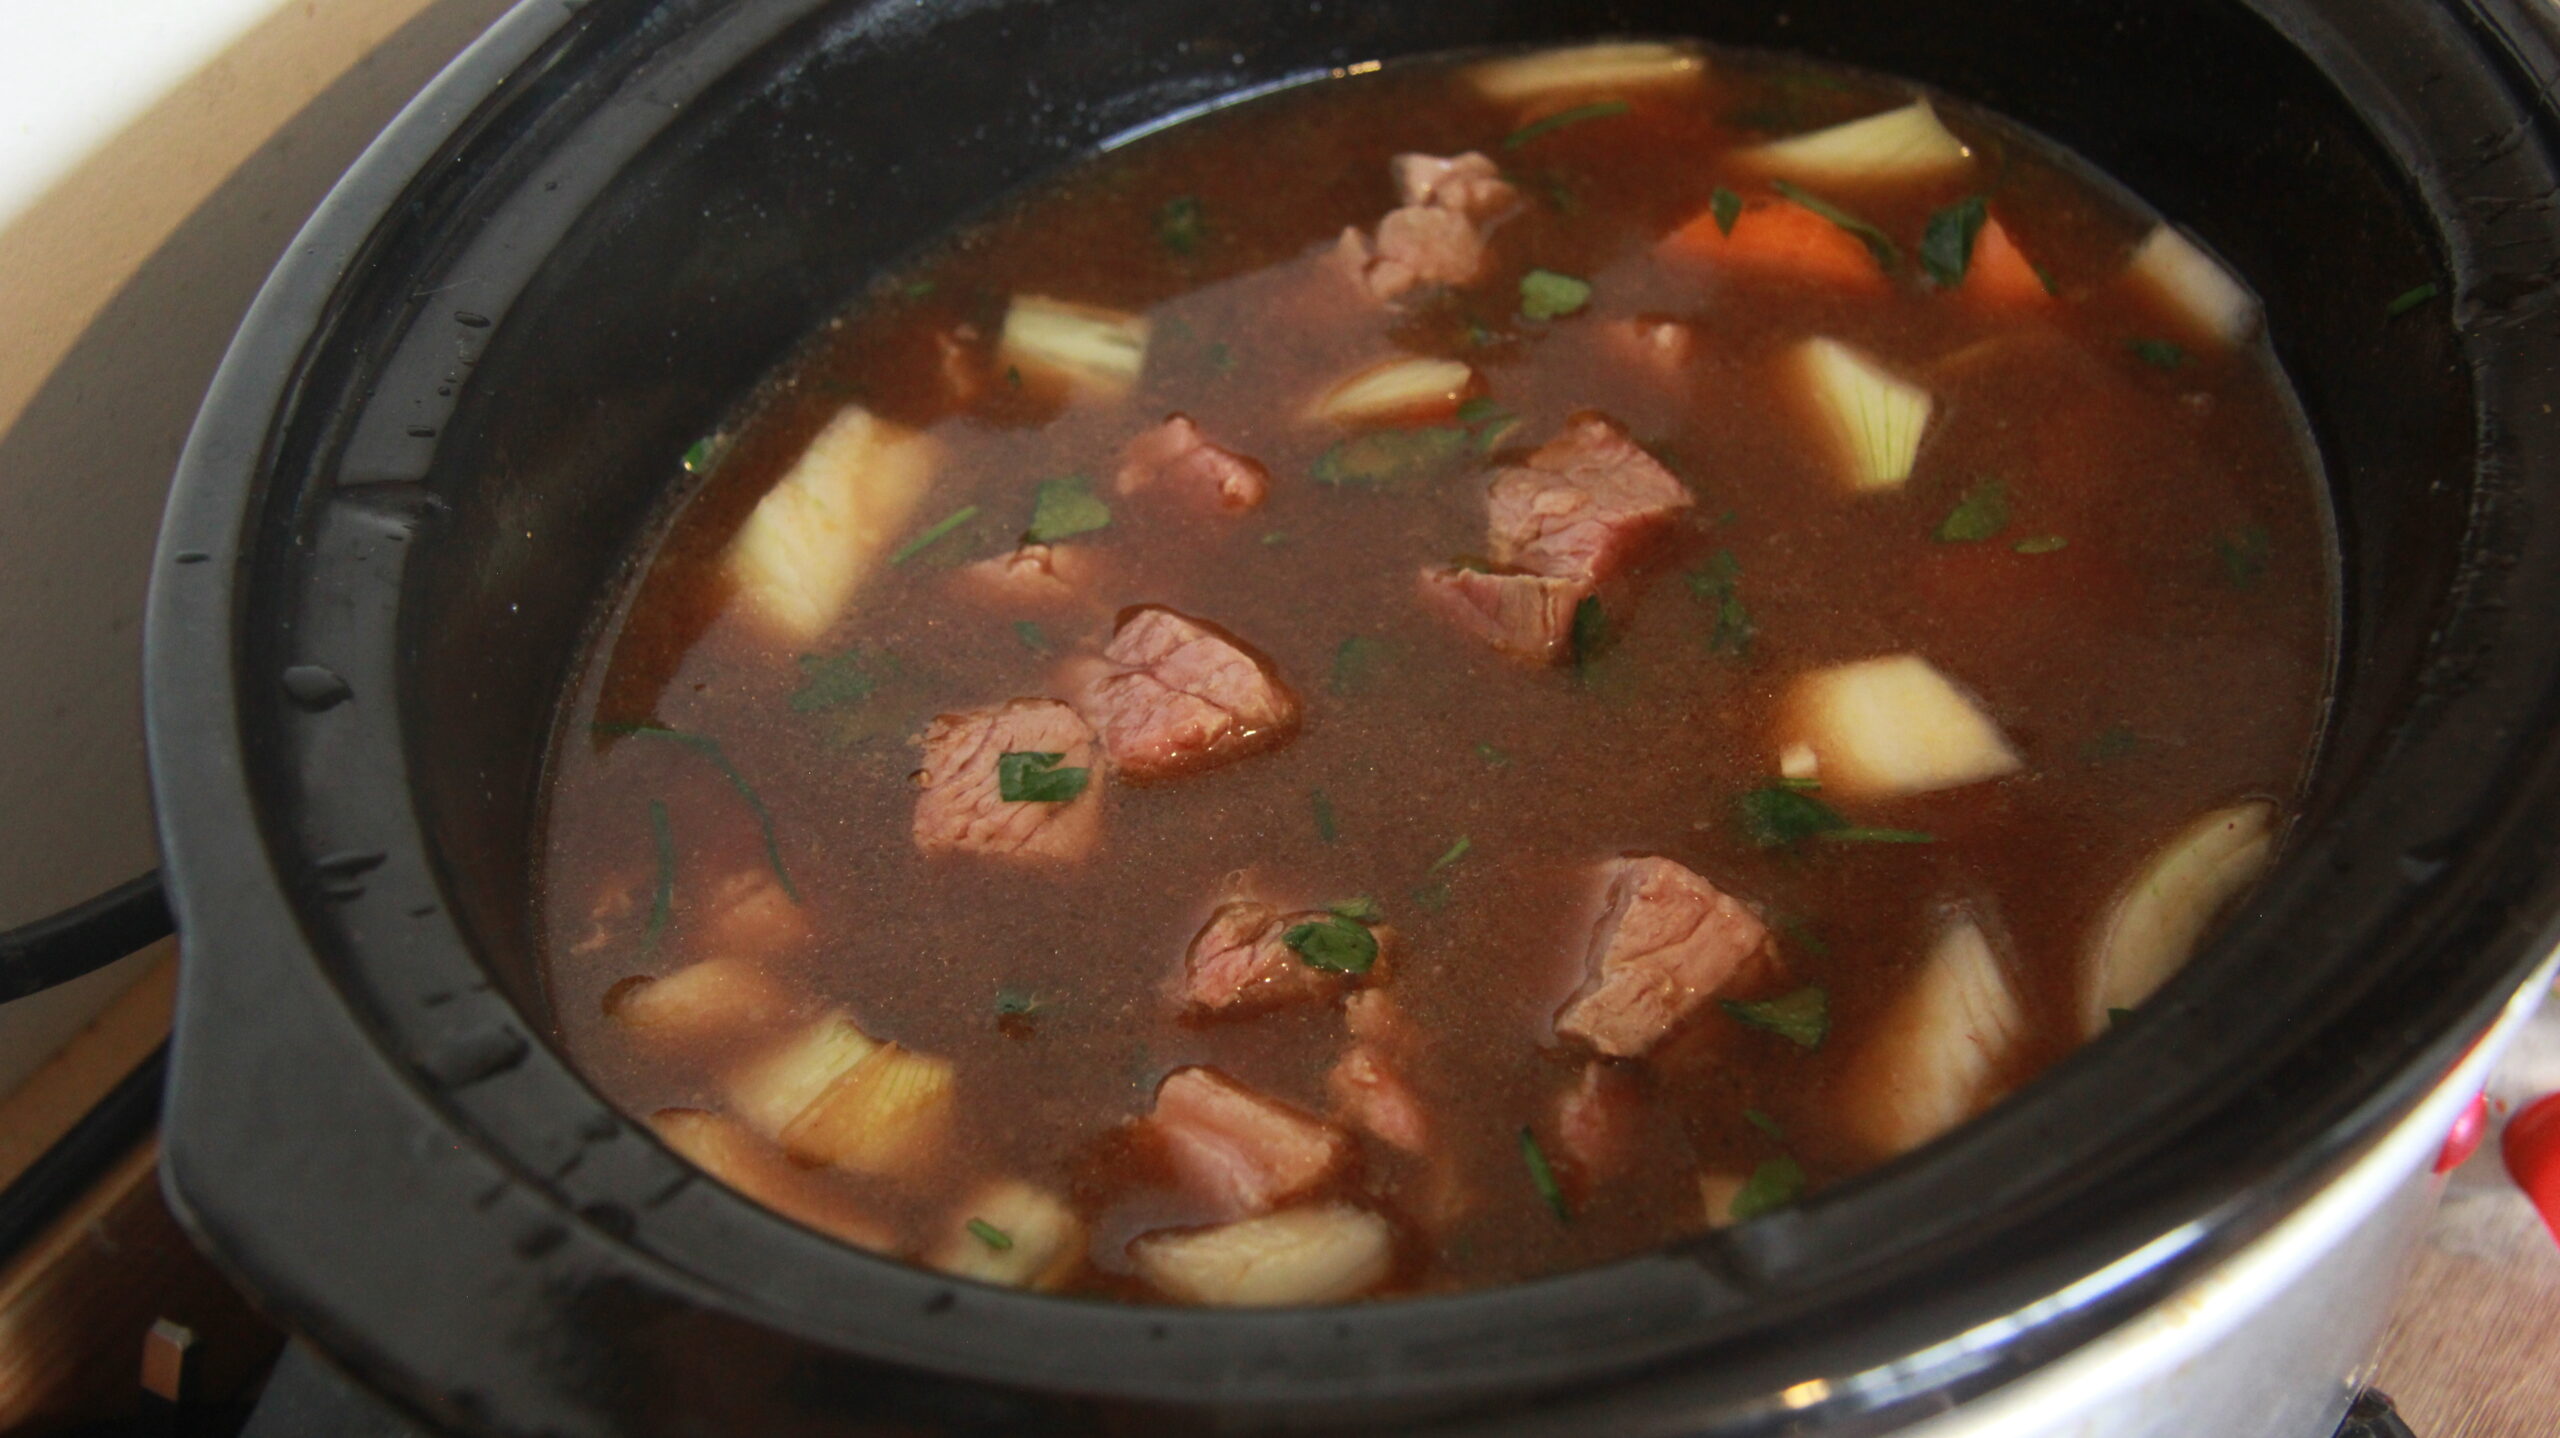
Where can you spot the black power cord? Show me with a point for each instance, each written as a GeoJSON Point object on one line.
{"type": "Point", "coordinates": [84, 938]}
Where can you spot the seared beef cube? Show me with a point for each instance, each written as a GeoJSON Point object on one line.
{"type": "Point", "coordinates": [1179, 696]}
{"type": "Point", "coordinates": [1469, 185]}
{"type": "Point", "coordinates": [1034, 576]}
{"type": "Point", "coordinates": [1437, 237]}
{"type": "Point", "coordinates": [1598, 1122]}
{"type": "Point", "coordinates": [1666, 941]}
{"type": "Point", "coordinates": [1176, 457]}
{"type": "Point", "coordinates": [1583, 505]}
{"type": "Point", "coordinates": [1240, 962]}
{"type": "Point", "coordinates": [1238, 1150]}
{"type": "Point", "coordinates": [962, 806]}
{"type": "Point", "coordinates": [1530, 615]}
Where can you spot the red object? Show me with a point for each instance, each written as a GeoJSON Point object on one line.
{"type": "Point", "coordinates": [2463, 1139]}
{"type": "Point", "coordinates": [2532, 1149]}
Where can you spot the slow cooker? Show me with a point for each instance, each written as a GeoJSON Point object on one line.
{"type": "Point", "coordinates": [441, 440]}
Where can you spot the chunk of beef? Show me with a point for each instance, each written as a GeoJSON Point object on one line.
{"type": "Point", "coordinates": [1238, 1150]}
{"type": "Point", "coordinates": [1437, 237]}
{"type": "Point", "coordinates": [1598, 1122]}
{"type": "Point", "coordinates": [1177, 696]}
{"type": "Point", "coordinates": [1530, 615]}
{"type": "Point", "coordinates": [1239, 963]}
{"type": "Point", "coordinates": [1175, 456]}
{"type": "Point", "coordinates": [1666, 941]}
{"type": "Point", "coordinates": [750, 914]}
{"type": "Point", "coordinates": [1583, 505]}
{"type": "Point", "coordinates": [1034, 576]}
{"type": "Point", "coordinates": [1368, 1083]}
{"type": "Point", "coordinates": [961, 807]}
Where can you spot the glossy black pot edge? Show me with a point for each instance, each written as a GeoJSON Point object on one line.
{"type": "Point", "coordinates": [225, 899]}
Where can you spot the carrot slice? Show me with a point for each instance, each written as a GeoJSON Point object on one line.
{"type": "Point", "coordinates": [1780, 237]}
{"type": "Point", "coordinates": [2001, 276]}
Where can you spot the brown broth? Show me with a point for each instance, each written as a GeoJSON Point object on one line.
{"type": "Point", "coordinates": [2144, 675]}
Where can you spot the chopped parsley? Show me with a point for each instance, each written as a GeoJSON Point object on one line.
{"type": "Point", "coordinates": [1946, 246]}
{"type": "Point", "coordinates": [1773, 1185]}
{"type": "Point", "coordinates": [1359, 908]}
{"type": "Point", "coordinates": [1333, 943]}
{"type": "Point", "coordinates": [1718, 585]}
{"type": "Point", "coordinates": [832, 681]}
{"type": "Point", "coordinates": [1726, 206]}
{"type": "Point", "coordinates": [1323, 805]}
{"type": "Point", "coordinates": [2040, 544]}
{"type": "Point", "coordinates": [1017, 1004]}
{"type": "Point", "coordinates": [1982, 513]}
{"type": "Point", "coordinates": [709, 748]}
{"type": "Point", "coordinates": [1542, 1176]}
{"type": "Point", "coordinates": [1385, 458]}
{"type": "Point", "coordinates": [1431, 898]}
{"type": "Point", "coordinates": [1221, 358]}
{"type": "Point", "coordinates": [1493, 758]}
{"type": "Point", "coordinates": [1357, 662]}
{"type": "Point", "coordinates": [1878, 243]}
{"type": "Point", "coordinates": [1538, 129]}
{"type": "Point", "coordinates": [1064, 507]}
{"type": "Point", "coordinates": [1801, 1018]}
{"type": "Point", "coordinates": [2243, 554]}
{"type": "Point", "coordinates": [2159, 354]}
{"type": "Point", "coordinates": [1779, 816]}
{"type": "Point", "coordinates": [2113, 742]}
{"type": "Point", "coordinates": [1032, 636]}
{"type": "Point", "coordinates": [703, 455]}
{"type": "Point", "coordinates": [925, 541]}
{"type": "Point", "coordinates": [990, 1235]}
{"type": "Point", "coordinates": [1761, 1121]}
{"type": "Point", "coordinates": [917, 289]}
{"type": "Point", "coordinates": [662, 900]}
{"type": "Point", "coordinates": [1806, 936]}
{"type": "Point", "coordinates": [1452, 854]}
{"type": "Point", "coordinates": [1026, 777]}
{"type": "Point", "coordinates": [1548, 295]}
{"type": "Point", "coordinates": [2410, 299]}
{"type": "Point", "coordinates": [2117, 1016]}
{"type": "Point", "coordinates": [1490, 422]}
{"type": "Point", "coordinates": [1591, 636]}
{"type": "Point", "coordinates": [1179, 226]}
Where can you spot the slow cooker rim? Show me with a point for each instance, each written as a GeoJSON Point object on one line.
{"type": "Point", "coordinates": [328, 251]}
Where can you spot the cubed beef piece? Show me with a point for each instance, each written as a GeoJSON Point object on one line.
{"type": "Point", "coordinates": [1239, 963]}
{"type": "Point", "coordinates": [1530, 615]}
{"type": "Point", "coordinates": [1666, 941]}
{"type": "Point", "coordinates": [1598, 1122]}
{"type": "Point", "coordinates": [1033, 576]}
{"type": "Point", "coordinates": [1583, 505]}
{"type": "Point", "coordinates": [1368, 1083]}
{"type": "Point", "coordinates": [1175, 457]}
{"type": "Point", "coordinates": [750, 914]}
{"type": "Point", "coordinates": [1178, 696]}
{"type": "Point", "coordinates": [1236, 1149]}
{"type": "Point", "coordinates": [957, 352]}
{"type": "Point", "coordinates": [961, 807]}
{"type": "Point", "coordinates": [1469, 185]}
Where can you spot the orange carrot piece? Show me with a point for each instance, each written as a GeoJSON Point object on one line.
{"type": "Point", "coordinates": [1780, 237]}
{"type": "Point", "coordinates": [2000, 276]}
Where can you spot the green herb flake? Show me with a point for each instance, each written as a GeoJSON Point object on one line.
{"type": "Point", "coordinates": [2040, 544]}
{"type": "Point", "coordinates": [1548, 295]}
{"type": "Point", "coordinates": [709, 748]}
{"type": "Point", "coordinates": [1064, 507]}
{"type": "Point", "coordinates": [1221, 358]}
{"type": "Point", "coordinates": [2410, 299]}
{"type": "Point", "coordinates": [1542, 1176]}
{"type": "Point", "coordinates": [1386, 458]}
{"type": "Point", "coordinates": [1452, 854]}
{"type": "Point", "coordinates": [1032, 636]}
{"type": "Point", "coordinates": [1779, 816]}
{"type": "Point", "coordinates": [1013, 376]}
{"type": "Point", "coordinates": [1772, 1186]}
{"type": "Point", "coordinates": [832, 681]}
{"type": "Point", "coordinates": [1538, 129]}
{"type": "Point", "coordinates": [1480, 409]}
{"type": "Point", "coordinates": [1726, 206]}
{"type": "Point", "coordinates": [1761, 1121]}
{"type": "Point", "coordinates": [1717, 584]}
{"type": "Point", "coordinates": [1326, 828]}
{"type": "Point", "coordinates": [662, 899]}
{"type": "Point", "coordinates": [1017, 1004]}
{"type": "Point", "coordinates": [1801, 1018]}
{"type": "Point", "coordinates": [2117, 1016]}
{"type": "Point", "coordinates": [1179, 226]}
{"type": "Point", "coordinates": [990, 1235]}
{"type": "Point", "coordinates": [925, 541]}
{"type": "Point", "coordinates": [2243, 554]}
{"type": "Point", "coordinates": [1493, 758]}
{"type": "Point", "coordinates": [1026, 777]}
{"type": "Point", "coordinates": [2159, 354]}
{"type": "Point", "coordinates": [917, 289]}
{"type": "Point", "coordinates": [1333, 943]}
{"type": "Point", "coordinates": [1980, 514]}
{"type": "Point", "coordinates": [2045, 278]}
{"type": "Point", "coordinates": [1946, 246]}
{"type": "Point", "coordinates": [1359, 908]}
{"type": "Point", "coordinates": [1358, 662]}
{"type": "Point", "coordinates": [1806, 937]}
{"type": "Point", "coordinates": [700, 455]}
{"type": "Point", "coordinates": [1878, 243]}
{"type": "Point", "coordinates": [2111, 743]}
{"type": "Point", "coordinates": [1275, 538]}
{"type": "Point", "coordinates": [1431, 898]}
{"type": "Point", "coordinates": [1590, 636]}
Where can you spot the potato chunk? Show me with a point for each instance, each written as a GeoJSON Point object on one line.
{"type": "Point", "coordinates": [740, 1160]}
{"type": "Point", "coordinates": [820, 531]}
{"type": "Point", "coordinates": [1013, 1233]}
{"type": "Point", "coordinates": [1872, 420]}
{"type": "Point", "coordinates": [1084, 347]}
{"type": "Point", "coordinates": [2195, 285]}
{"type": "Point", "coordinates": [2156, 923]}
{"type": "Point", "coordinates": [699, 1001]}
{"type": "Point", "coordinates": [768, 1093]}
{"type": "Point", "coordinates": [1905, 144]}
{"type": "Point", "coordinates": [1412, 388]}
{"type": "Point", "coordinates": [1895, 725]}
{"type": "Point", "coordinates": [1623, 66]}
{"type": "Point", "coordinates": [1936, 1059]}
{"type": "Point", "coordinates": [1320, 1254]}
{"type": "Point", "coordinates": [886, 1115]}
